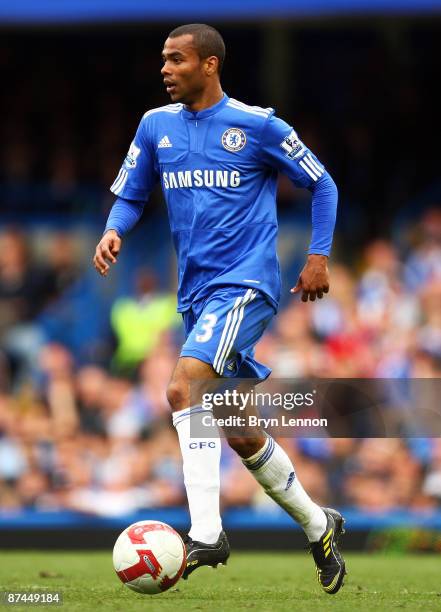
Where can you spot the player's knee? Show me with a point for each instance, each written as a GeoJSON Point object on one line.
{"type": "Point", "coordinates": [244, 447]}
{"type": "Point", "coordinates": [177, 395]}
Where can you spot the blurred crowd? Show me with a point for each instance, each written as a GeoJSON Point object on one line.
{"type": "Point", "coordinates": [96, 436]}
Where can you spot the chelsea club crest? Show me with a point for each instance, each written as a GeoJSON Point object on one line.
{"type": "Point", "coordinates": [234, 139]}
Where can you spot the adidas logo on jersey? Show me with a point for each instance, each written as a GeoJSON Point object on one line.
{"type": "Point", "coordinates": [164, 143]}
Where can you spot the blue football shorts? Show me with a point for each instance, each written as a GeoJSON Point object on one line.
{"type": "Point", "coordinates": [223, 329]}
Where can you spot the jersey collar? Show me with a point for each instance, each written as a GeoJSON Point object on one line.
{"type": "Point", "coordinates": [207, 112]}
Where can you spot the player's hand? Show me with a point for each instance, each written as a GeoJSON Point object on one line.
{"type": "Point", "coordinates": [106, 252]}
{"type": "Point", "coordinates": [314, 278]}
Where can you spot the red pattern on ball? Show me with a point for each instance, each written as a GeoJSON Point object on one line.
{"type": "Point", "coordinates": [144, 566]}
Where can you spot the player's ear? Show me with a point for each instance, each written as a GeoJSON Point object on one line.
{"type": "Point", "coordinates": [211, 64]}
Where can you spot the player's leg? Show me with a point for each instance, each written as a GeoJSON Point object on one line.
{"type": "Point", "coordinates": [273, 469]}
{"type": "Point", "coordinates": [200, 455]}
{"type": "Point", "coordinates": [206, 543]}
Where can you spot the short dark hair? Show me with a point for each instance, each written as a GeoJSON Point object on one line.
{"type": "Point", "coordinates": [207, 40]}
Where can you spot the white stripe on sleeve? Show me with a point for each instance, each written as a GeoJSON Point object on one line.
{"type": "Point", "coordinates": [313, 168]}
{"type": "Point", "coordinates": [315, 164]}
{"type": "Point", "coordinates": [115, 182]}
{"type": "Point", "coordinates": [308, 170]}
{"type": "Point", "coordinates": [122, 181]}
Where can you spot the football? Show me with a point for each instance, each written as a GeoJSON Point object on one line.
{"type": "Point", "coordinates": [149, 557]}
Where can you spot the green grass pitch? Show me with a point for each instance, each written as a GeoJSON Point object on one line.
{"type": "Point", "coordinates": [251, 581]}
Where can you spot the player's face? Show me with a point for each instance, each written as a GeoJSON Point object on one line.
{"type": "Point", "coordinates": [184, 72]}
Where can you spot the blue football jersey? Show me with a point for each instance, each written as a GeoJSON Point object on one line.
{"type": "Point", "coordinates": [218, 170]}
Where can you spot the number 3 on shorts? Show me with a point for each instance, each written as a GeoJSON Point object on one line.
{"type": "Point", "coordinates": [211, 321]}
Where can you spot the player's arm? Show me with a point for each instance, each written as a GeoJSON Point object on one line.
{"type": "Point", "coordinates": [123, 216]}
{"type": "Point", "coordinates": [282, 149]}
{"type": "Point", "coordinates": [132, 185]}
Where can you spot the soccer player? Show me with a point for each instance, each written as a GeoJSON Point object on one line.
{"type": "Point", "coordinates": [217, 160]}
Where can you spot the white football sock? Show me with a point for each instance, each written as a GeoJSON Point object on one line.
{"type": "Point", "coordinates": [272, 468]}
{"type": "Point", "coordinates": [201, 459]}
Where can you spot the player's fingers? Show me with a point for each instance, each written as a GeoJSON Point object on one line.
{"type": "Point", "coordinates": [106, 253]}
{"type": "Point", "coordinates": [319, 294]}
{"type": "Point", "coordinates": [297, 288]}
{"type": "Point", "coordinates": [326, 289]}
{"type": "Point", "coordinates": [312, 296]}
{"type": "Point", "coordinates": [102, 268]}
{"type": "Point", "coordinates": [114, 249]}
{"type": "Point", "coordinates": [99, 262]}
